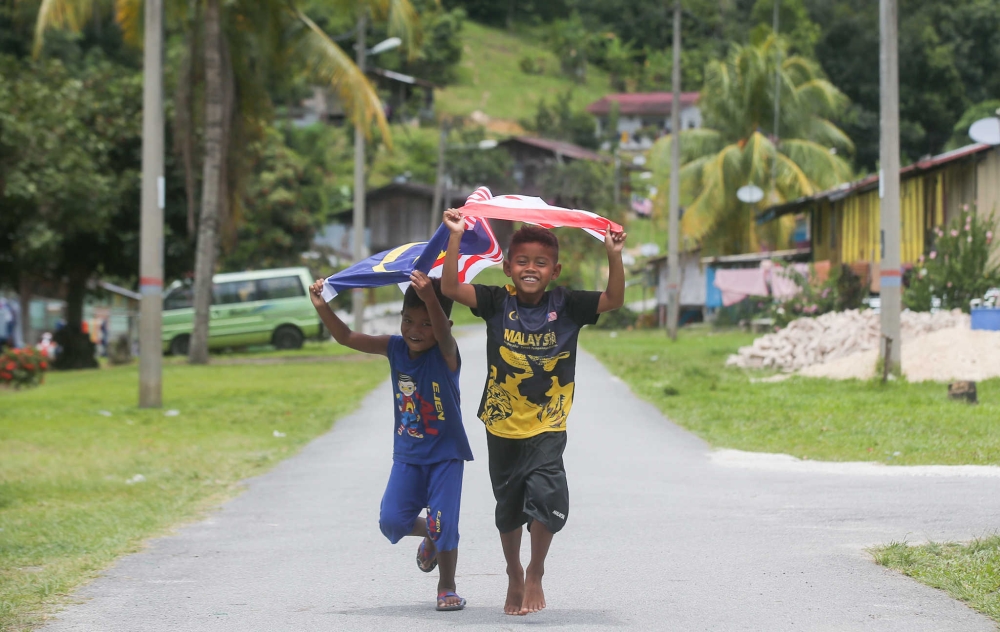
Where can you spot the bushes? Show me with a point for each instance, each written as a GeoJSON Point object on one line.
{"type": "Point", "coordinates": [957, 268]}
{"type": "Point", "coordinates": [22, 367]}
{"type": "Point", "coordinates": [621, 318]}
{"type": "Point", "coordinates": [841, 291]}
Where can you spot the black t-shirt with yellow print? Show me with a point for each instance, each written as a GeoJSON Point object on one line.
{"type": "Point", "coordinates": [531, 352]}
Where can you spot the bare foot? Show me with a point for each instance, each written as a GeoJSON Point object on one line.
{"type": "Point", "coordinates": [515, 591]}
{"type": "Point", "coordinates": [534, 597]}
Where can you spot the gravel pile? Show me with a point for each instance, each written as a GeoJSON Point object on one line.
{"type": "Point", "coordinates": [957, 353]}
{"type": "Point", "coordinates": [806, 342]}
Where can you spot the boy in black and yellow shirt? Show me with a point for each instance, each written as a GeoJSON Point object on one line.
{"type": "Point", "coordinates": [531, 350]}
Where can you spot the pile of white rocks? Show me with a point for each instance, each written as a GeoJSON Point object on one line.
{"type": "Point", "coordinates": [808, 341]}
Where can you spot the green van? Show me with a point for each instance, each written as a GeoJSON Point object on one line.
{"type": "Point", "coordinates": [248, 308]}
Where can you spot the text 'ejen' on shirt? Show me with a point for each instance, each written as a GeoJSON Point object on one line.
{"type": "Point", "coordinates": [428, 408]}
{"type": "Point", "coordinates": [531, 355]}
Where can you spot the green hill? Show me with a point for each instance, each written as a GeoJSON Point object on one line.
{"type": "Point", "coordinates": [491, 79]}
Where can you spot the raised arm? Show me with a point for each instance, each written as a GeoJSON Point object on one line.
{"type": "Point", "coordinates": [450, 287]}
{"type": "Point", "coordinates": [341, 332]}
{"type": "Point", "coordinates": [613, 297]}
{"type": "Point", "coordinates": [439, 320]}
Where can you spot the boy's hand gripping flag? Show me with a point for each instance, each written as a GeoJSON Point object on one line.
{"type": "Point", "coordinates": [479, 250]}
{"type": "Point", "coordinates": [533, 210]}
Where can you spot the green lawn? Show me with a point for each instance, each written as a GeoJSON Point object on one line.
{"type": "Point", "coordinates": [248, 355]}
{"type": "Point", "coordinates": [490, 78]}
{"type": "Point", "coordinates": [967, 572]}
{"type": "Point", "coordinates": [69, 449]}
{"type": "Point", "coordinates": [898, 423]}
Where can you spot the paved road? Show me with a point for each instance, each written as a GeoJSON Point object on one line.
{"type": "Point", "coordinates": [660, 537]}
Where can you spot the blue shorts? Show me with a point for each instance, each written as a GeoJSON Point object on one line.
{"type": "Point", "coordinates": [413, 488]}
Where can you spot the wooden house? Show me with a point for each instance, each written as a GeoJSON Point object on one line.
{"type": "Point", "coordinates": [532, 155]}
{"type": "Point", "coordinates": [844, 223]}
{"type": "Point", "coordinates": [396, 214]}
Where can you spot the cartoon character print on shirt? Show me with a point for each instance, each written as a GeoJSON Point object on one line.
{"type": "Point", "coordinates": [415, 413]}
{"type": "Point", "coordinates": [408, 415]}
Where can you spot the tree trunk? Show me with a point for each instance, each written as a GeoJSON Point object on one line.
{"type": "Point", "coordinates": [24, 295]}
{"type": "Point", "coordinates": [76, 350]}
{"type": "Point", "coordinates": [209, 222]}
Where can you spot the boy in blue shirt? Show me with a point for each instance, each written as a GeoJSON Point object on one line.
{"type": "Point", "coordinates": [430, 446]}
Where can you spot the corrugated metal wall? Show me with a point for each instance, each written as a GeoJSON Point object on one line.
{"type": "Point", "coordinates": [848, 231]}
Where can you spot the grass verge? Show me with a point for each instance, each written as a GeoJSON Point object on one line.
{"type": "Point", "coordinates": [968, 572]}
{"type": "Point", "coordinates": [897, 423]}
{"type": "Point", "coordinates": [86, 476]}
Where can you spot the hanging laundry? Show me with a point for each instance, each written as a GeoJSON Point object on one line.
{"type": "Point", "coordinates": [783, 286]}
{"type": "Point", "coordinates": [738, 283]}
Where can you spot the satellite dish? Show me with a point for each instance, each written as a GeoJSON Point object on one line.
{"type": "Point", "coordinates": [986, 130]}
{"type": "Point", "coordinates": [750, 194]}
{"type": "Point", "coordinates": [385, 45]}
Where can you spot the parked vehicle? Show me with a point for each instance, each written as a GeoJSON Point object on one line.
{"type": "Point", "coordinates": [248, 308]}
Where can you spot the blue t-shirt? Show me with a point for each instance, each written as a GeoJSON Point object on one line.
{"type": "Point", "coordinates": [428, 407]}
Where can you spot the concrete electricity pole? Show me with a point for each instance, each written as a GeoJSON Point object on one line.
{"type": "Point", "coordinates": [153, 192]}
{"type": "Point", "coordinates": [890, 272]}
{"type": "Point", "coordinates": [436, 210]}
{"type": "Point", "coordinates": [673, 257]}
{"type": "Point", "coordinates": [360, 252]}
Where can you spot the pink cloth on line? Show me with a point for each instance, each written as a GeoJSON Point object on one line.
{"type": "Point", "coordinates": [783, 287]}
{"type": "Point", "coordinates": [738, 283]}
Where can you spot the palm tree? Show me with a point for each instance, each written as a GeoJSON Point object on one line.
{"type": "Point", "coordinates": [237, 40]}
{"type": "Point", "coordinates": [738, 145]}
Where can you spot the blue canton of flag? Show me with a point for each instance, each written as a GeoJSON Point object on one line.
{"type": "Point", "coordinates": [479, 249]}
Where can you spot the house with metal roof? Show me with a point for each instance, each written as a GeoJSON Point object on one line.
{"type": "Point", "coordinates": [532, 155]}
{"type": "Point", "coordinates": [844, 222]}
{"type": "Point", "coordinates": [643, 116]}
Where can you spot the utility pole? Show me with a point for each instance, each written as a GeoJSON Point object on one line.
{"type": "Point", "coordinates": [360, 252]}
{"type": "Point", "coordinates": [673, 257]}
{"type": "Point", "coordinates": [777, 83]}
{"type": "Point", "coordinates": [436, 211]}
{"type": "Point", "coordinates": [153, 192]}
{"type": "Point", "coordinates": [889, 271]}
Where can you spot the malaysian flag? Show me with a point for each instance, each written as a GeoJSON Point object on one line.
{"type": "Point", "coordinates": [533, 210]}
{"type": "Point", "coordinates": [479, 250]}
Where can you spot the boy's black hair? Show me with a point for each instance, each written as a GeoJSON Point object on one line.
{"type": "Point", "coordinates": [410, 298]}
{"type": "Point", "coordinates": [529, 234]}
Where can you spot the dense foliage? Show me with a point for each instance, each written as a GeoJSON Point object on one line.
{"type": "Point", "coordinates": [738, 146]}
{"type": "Point", "coordinates": [958, 267]}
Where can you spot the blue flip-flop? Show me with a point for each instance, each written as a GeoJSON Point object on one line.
{"type": "Point", "coordinates": [422, 558]}
{"type": "Point", "coordinates": [450, 593]}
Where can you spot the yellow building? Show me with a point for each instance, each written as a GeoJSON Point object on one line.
{"type": "Point", "coordinates": [844, 223]}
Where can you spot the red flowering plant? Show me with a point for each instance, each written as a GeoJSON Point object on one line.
{"type": "Point", "coordinates": [22, 367]}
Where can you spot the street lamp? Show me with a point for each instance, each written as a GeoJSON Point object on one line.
{"type": "Point", "coordinates": [360, 251]}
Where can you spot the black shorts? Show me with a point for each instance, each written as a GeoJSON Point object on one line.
{"type": "Point", "coordinates": [529, 480]}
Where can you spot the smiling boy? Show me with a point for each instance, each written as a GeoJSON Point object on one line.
{"type": "Point", "coordinates": [531, 352]}
{"type": "Point", "coordinates": [430, 446]}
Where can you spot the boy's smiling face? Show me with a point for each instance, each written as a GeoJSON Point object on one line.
{"type": "Point", "coordinates": [532, 266]}
{"type": "Point", "coordinates": [417, 330]}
